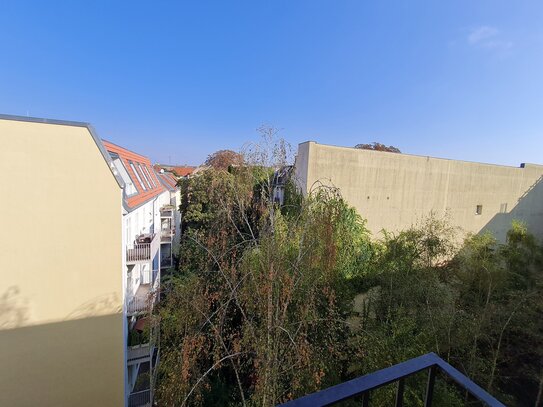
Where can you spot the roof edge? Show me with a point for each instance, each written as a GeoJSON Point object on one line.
{"type": "Point", "coordinates": [88, 126]}
{"type": "Point", "coordinates": [522, 165]}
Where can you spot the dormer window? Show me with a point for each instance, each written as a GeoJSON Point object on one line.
{"type": "Point", "coordinates": [149, 176]}
{"type": "Point", "coordinates": [141, 168]}
{"type": "Point", "coordinates": [136, 173]}
{"type": "Point", "coordinates": [129, 188]}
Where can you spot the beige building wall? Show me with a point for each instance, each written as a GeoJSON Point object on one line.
{"type": "Point", "coordinates": [61, 320]}
{"type": "Point", "coordinates": [394, 191]}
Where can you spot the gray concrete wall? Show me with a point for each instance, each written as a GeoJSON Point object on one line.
{"type": "Point", "coordinates": [395, 191]}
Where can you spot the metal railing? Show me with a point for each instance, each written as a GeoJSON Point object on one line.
{"type": "Point", "coordinates": [138, 252]}
{"type": "Point", "coordinates": [139, 353]}
{"type": "Point", "coordinates": [144, 351]}
{"type": "Point", "coordinates": [362, 386]}
{"type": "Point", "coordinates": [167, 211]}
{"type": "Point", "coordinates": [138, 304]}
{"type": "Point", "coordinates": [166, 262]}
{"type": "Point", "coordinates": [155, 360]}
{"type": "Point", "coordinates": [146, 295]}
{"type": "Point", "coordinates": [166, 235]}
{"type": "Point", "coordinates": [140, 398]}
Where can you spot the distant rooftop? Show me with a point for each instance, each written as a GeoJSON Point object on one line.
{"type": "Point", "coordinates": [178, 170]}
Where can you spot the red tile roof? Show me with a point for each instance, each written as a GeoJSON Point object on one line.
{"type": "Point", "coordinates": [168, 180]}
{"type": "Point", "coordinates": [127, 156]}
{"type": "Point", "coordinates": [183, 171]}
{"type": "Point", "coordinates": [180, 171]}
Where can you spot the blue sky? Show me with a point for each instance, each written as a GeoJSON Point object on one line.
{"type": "Point", "coordinates": [179, 80]}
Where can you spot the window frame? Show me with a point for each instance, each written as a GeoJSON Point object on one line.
{"type": "Point", "coordinates": [149, 176]}
{"type": "Point", "coordinates": [148, 183]}
{"type": "Point", "coordinates": [135, 170]}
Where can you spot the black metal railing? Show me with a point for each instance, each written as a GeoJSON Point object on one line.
{"type": "Point", "coordinates": [140, 399]}
{"type": "Point", "coordinates": [362, 386]}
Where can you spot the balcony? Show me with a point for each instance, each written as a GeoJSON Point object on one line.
{"type": "Point", "coordinates": [142, 394]}
{"type": "Point", "coordinates": [363, 386]}
{"type": "Point", "coordinates": [167, 211]}
{"type": "Point", "coordinates": [141, 342]}
{"type": "Point", "coordinates": [166, 262]}
{"type": "Point", "coordinates": [144, 298]}
{"type": "Point", "coordinates": [143, 250]}
{"type": "Point", "coordinates": [166, 235]}
{"type": "Point", "coordinates": [140, 398]}
{"type": "Point", "coordinates": [138, 354]}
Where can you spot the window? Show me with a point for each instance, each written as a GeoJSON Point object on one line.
{"type": "Point", "coordinates": [479, 210]}
{"type": "Point", "coordinates": [503, 208]}
{"type": "Point", "coordinates": [149, 176]}
{"type": "Point", "coordinates": [129, 189]}
{"type": "Point", "coordinates": [137, 175]}
{"type": "Point", "coordinates": [144, 176]}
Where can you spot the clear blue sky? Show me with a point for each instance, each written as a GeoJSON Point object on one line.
{"type": "Point", "coordinates": [179, 80]}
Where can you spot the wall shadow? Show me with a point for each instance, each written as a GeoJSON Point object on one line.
{"type": "Point", "coordinates": [71, 363]}
{"type": "Point", "coordinates": [77, 361]}
{"type": "Point", "coordinates": [109, 303]}
{"type": "Point", "coordinates": [13, 309]}
{"type": "Point", "coordinates": [528, 209]}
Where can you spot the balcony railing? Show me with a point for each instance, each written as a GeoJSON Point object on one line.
{"type": "Point", "coordinates": [166, 235]}
{"type": "Point", "coordinates": [155, 360]}
{"type": "Point", "coordinates": [145, 296]}
{"type": "Point", "coordinates": [362, 386]}
{"type": "Point", "coordinates": [166, 262]}
{"type": "Point", "coordinates": [139, 353]}
{"type": "Point", "coordinates": [139, 304]}
{"type": "Point", "coordinates": [140, 398]}
{"type": "Point", "coordinates": [167, 211]}
{"type": "Point", "coordinates": [142, 352]}
{"type": "Point", "coordinates": [142, 252]}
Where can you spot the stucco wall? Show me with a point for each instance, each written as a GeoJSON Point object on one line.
{"type": "Point", "coordinates": [61, 325]}
{"type": "Point", "coordinates": [395, 191]}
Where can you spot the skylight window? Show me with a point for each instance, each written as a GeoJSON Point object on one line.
{"type": "Point", "coordinates": [149, 176]}
{"type": "Point", "coordinates": [129, 188]}
{"type": "Point", "coordinates": [141, 167]}
{"type": "Point", "coordinates": [137, 175]}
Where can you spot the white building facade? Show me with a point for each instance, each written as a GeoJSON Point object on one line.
{"type": "Point", "coordinates": [150, 229]}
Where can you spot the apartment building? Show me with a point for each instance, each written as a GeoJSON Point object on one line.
{"type": "Point", "coordinates": [395, 191]}
{"type": "Point", "coordinates": [180, 171]}
{"type": "Point", "coordinates": [170, 220]}
{"type": "Point", "coordinates": [149, 216]}
{"type": "Point", "coordinates": [82, 263]}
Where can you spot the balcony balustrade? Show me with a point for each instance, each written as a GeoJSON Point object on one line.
{"type": "Point", "coordinates": [141, 345]}
{"type": "Point", "coordinates": [166, 235]}
{"type": "Point", "coordinates": [143, 252]}
{"type": "Point", "coordinates": [140, 398]}
{"type": "Point", "coordinates": [166, 262]}
{"type": "Point", "coordinates": [139, 353]}
{"type": "Point", "coordinates": [139, 304]}
{"type": "Point", "coordinates": [167, 211]}
{"type": "Point", "coordinates": [362, 386]}
{"type": "Point", "coordinates": [144, 298]}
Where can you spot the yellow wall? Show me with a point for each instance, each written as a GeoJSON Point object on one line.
{"type": "Point", "coordinates": [395, 191]}
{"type": "Point", "coordinates": [61, 322]}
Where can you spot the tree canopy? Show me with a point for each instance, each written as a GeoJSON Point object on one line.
{"type": "Point", "coordinates": [223, 159]}
{"type": "Point", "coordinates": [270, 303]}
{"type": "Point", "coordinates": [378, 147]}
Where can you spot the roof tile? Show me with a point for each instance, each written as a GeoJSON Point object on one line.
{"type": "Point", "coordinates": [128, 156]}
